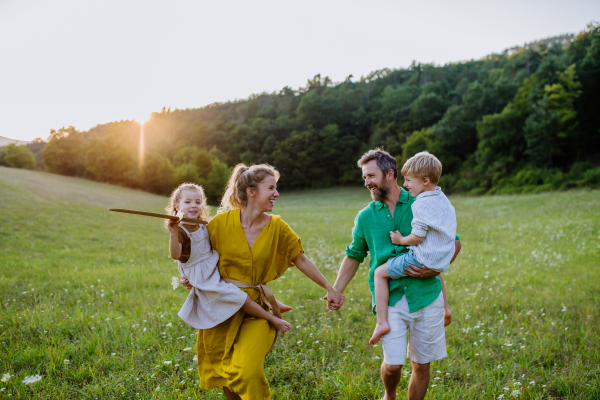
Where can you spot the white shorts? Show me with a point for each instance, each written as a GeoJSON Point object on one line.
{"type": "Point", "coordinates": [427, 339]}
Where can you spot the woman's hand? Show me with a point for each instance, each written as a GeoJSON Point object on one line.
{"type": "Point", "coordinates": [186, 283]}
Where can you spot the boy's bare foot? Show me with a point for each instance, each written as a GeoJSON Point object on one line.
{"type": "Point", "coordinates": [447, 317]}
{"type": "Point", "coordinates": [379, 331]}
{"type": "Point", "coordinates": [283, 307]}
{"type": "Point", "coordinates": [282, 326]}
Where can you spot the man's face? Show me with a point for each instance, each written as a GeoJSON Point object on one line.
{"type": "Point", "coordinates": [375, 181]}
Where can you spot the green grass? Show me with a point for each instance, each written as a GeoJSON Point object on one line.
{"type": "Point", "coordinates": [81, 284]}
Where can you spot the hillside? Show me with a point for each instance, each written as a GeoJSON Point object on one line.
{"type": "Point", "coordinates": [517, 122]}
{"type": "Point", "coordinates": [4, 141]}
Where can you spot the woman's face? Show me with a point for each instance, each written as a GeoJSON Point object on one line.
{"type": "Point", "coordinates": [264, 197]}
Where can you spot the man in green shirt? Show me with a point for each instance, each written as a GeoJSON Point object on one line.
{"type": "Point", "coordinates": [415, 301]}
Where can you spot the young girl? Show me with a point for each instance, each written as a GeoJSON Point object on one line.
{"type": "Point", "coordinates": [211, 300]}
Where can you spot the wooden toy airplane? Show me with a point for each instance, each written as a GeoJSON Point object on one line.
{"type": "Point", "coordinates": [163, 216]}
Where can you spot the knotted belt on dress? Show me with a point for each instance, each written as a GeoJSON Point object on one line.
{"type": "Point", "coordinates": [265, 294]}
{"type": "Point", "coordinates": [267, 297]}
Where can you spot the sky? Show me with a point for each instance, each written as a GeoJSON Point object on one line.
{"type": "Point", "coordinates": [86, 62]}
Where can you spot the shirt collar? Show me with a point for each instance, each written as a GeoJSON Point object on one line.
{"type": "Point", "coordinates": [404, 198]}
{"type": "Point", "coordinates": [435, 192]}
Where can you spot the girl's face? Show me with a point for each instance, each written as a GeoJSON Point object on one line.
{"type": "Point", "coordinates": [264, 197]}
{"type": "Point", "coordinates": [190, 204]}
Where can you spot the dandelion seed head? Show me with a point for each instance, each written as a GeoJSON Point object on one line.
{"type": "Point", "coordinates": [32, 379]}
{"type": "Point", "coordinates": [174, 282]}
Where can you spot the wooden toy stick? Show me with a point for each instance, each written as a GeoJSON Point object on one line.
{"type": "Point", "coordinates": [164, 216]}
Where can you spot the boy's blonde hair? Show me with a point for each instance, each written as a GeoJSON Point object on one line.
{"type": "Point", "coordinates": [244, 177]}
{"type": "Point", "coordinates": [423, 165]}
{"type": "Point", "coordinates": [176, 197]}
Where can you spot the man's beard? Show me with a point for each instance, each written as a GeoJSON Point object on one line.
{"type": "Point", "coordinates": [380, 192]}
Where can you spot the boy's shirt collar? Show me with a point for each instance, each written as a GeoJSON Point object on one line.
{"type": "Point", "coordinates": [435, 192]}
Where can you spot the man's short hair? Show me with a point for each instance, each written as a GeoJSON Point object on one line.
{"type": "Point", "coordinates": [385, 161]}
{"type": "Point", "coordinates": [423, 165]}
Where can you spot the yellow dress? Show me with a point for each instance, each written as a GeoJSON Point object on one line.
{"type": "Point", "coordinates": [232, 354]}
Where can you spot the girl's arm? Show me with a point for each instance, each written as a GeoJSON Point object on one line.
{"type": "Point", "coordinates": [306, 266]}
{"type": "Point", "coordinates": [174, 245]}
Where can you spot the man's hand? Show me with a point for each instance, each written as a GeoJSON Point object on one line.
{"type": "Point", "coordinates": [335, 300]}
{"type": "Point", "coordinates": [186, 283]}
{"type": "Point", "coordinates": [396, 237]}
{"type": "Point", "coordinates": [417, 272]}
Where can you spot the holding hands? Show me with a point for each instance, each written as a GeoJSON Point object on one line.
{"type": "Point", "coordinates": [335, 300]}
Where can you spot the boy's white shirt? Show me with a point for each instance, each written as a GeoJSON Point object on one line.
{"type": "Point", "coordinates": [434, 218]}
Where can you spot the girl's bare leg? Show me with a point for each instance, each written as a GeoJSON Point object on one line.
{"type": "Point", "coordinates": [382, 296]}
{"type": "Point", "coordinates": [255, 310]}
{"type": "Point", "coordinates": [447, 313]}
{"type": "Point", "coordinates": [229, 395]}
{"type": "Point", "coordinates": [283, 307]}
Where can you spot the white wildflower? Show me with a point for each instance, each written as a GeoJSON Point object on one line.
{"type": "Point", "coordinates": [167, 362]}
{"type": "Point", "coordinates": [32, 379]}
{"type": "Point", "coordinates": [66, 362]}
{"type": "Point", "coordinates": [169, 324]}
{"type": "Point", "coordinates": [195, 358]}
{"type": "Point", "coordinates": [517, 383]}
{"type": "Point", "coordinates": [532, 383]}
{"type": "Point", "coordinates": [376, 357]}
{"type": "Point", "coordinates": [515, 393]}
{"type": "Point", "coordinates": [175, 282]}
{"type": "Point", "coordinates": [501, 396]}
{"type": "Point", "coordinates": [6, 377]}
{"type": "Point", "coordinates": [299, 341]}
{"type": "Point", "coordinates": [187, 349]}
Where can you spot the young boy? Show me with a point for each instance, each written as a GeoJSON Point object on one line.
{"type": "Point", "coordinates": [431, 240]}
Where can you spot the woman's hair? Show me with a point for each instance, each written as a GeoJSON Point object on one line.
{"type": "Point", "coordinates": [176, 197]}
{"type": "Point", "coordinates": [242, 178]}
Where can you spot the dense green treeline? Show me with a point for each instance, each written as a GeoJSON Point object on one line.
{"type": "Point", "coordinates": [507, 123]}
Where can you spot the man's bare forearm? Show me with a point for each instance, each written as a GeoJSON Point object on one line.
{"type": "Point", "coordinates": [347, 271]}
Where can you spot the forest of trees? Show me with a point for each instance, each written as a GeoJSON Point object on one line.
{"type": "Point", "coordinates": [522, 122]}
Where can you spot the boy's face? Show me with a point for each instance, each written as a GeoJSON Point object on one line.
{"type": "Point", "coordinates": [414, 185]}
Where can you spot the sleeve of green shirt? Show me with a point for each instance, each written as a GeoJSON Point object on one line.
{"type": "Point", "coordinates": [358, 249]}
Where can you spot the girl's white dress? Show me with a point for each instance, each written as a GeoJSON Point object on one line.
{"type": "Point", "coordinates": [211, 300]}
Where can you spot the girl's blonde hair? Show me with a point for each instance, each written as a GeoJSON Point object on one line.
{"type": "Point", "coordinates": [242, 178]}
{"type": "Point", "coordinates": [176, 197]}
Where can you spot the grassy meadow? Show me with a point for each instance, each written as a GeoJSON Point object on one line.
{"type": "Point", "coordinates": [87, 302]}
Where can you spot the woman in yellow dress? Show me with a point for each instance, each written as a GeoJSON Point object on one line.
{"type": "Point", "coordinates": [254, 248]}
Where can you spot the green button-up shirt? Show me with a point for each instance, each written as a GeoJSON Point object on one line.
{"type": "Point", "coordinates": [371, 234]}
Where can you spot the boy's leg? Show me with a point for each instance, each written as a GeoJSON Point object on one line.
{"type": "Point", "coordinates": [447, 313]}
{"type": "Point", "coordinates": [255, 310]}
{"type": "Point", "coordinates": [382, 296]}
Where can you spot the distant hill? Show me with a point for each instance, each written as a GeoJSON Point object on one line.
{"type": "Point", "coordinates": [563, 40]}
{"type": "Point", "coordinates": [4, 141]}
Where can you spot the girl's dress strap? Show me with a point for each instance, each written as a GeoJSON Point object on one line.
{"type": "Point", "coordinates": [185, 230]}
